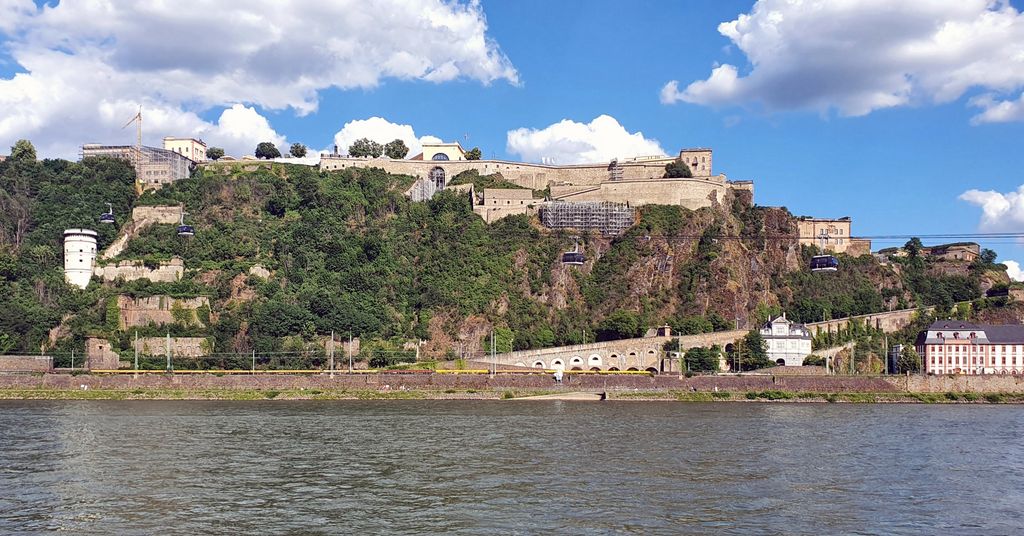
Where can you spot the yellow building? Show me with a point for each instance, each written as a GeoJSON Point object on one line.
{"type": "Point", "coordinates": [831, 235]}
{"type": "Point", "coordinates": [442, 152]}
{"type": "Point", "coordinates": [191, 148]}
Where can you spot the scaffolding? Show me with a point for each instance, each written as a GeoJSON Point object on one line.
{"type": "Point", "coordinates": [615, 170]}
{"type": "Point", "coordinates": [607, 217]}
{"type": "Point", "coordinates": [422, 190]}
{"type": "Point", "coordinates": [152, 165]}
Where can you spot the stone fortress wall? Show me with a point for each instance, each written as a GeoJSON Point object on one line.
{"type": "Point", "coordinates": [158, 310]}
{"type": "Point", "coordinates": [166, 272]}
{"type": "Point", "coordinates": [635, 181]}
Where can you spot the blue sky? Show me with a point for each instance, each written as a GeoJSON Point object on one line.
{"type": "Point", "coordinates": [828, 113]}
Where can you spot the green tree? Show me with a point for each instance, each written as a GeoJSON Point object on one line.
{"type": "Point", "coordinates": [474, 154]}
{"type": "Point", "coordinates": [987, 257]}
{"type": "Point", "coordinates": [677, 169]}
{"type": "Point", "coordinates": [750, 352]}
{"type": "Point", "coordinates": [395, 149]}
{"type": "Point", "coordinates": [214, 153]}
{"type": "Point", "coordinates": [23, 150]}
{"type": "Point", "coordinates": [267, 150]}
{"type": "Point", "coordinates": [621, 324]}
{"type": "Point", "coordinates": [913, 247]}
{"type": "Point", "coordinates": [297, 150]}
{"type": "Point", "coordinates": [702, 359]}
{"type": "Point", "coordinates": [909, 360]}
{"type": "Point", "coordinates": [364, 147]}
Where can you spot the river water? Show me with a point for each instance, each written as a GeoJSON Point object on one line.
{"type": "Point", "coordinates": [502, 467]}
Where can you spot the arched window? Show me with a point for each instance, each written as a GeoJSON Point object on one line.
{"type": "Point", "coordinates": [439, 156]}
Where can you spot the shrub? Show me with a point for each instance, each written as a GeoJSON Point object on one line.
{"type": "Point", "coordinates": [271, 394]}
{"type": "Point", "coordinates": [952, 396]}
{"type": "Point", "coordinates": [994, 398]}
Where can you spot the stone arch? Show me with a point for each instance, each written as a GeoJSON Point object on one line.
{"type": "Point", "coordinates": [613, 369]}
{"type": "Point", "coordinates": [595, 360]}
{"type": "Point", "coordinates": [652, 370]}
{"type": "Point", "coordinates": [633, 369]}
{"type": "Point", "coordinates": [557, 363]}
{"type": "Point", "coordinates": [437, 177]}
{"type": "Point", "coordinates": [780, 362]}
{"type": "Point", "coordinates": [595, 369]}
{"type": "Point", "coordinates": [538, 364]}
{"type": "Point", "coordinates": [439, 157]}
{"type": "Point", "coordinates": [576, 369]}
{"type": "Point", "coordinates": [576, 360]}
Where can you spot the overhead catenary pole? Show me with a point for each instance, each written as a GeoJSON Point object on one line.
{"type": "Point", "coordinates": [254, 361]}
{"type": "Point", "coordinates": [136, 348]}
{"type": "Point", "coordinates": [167, 349]}
{"type": "Point", "coordinates": [350, 353]}
{"type": "Point", "coordinates": [72, 359]}
{"type": "Point", "coordinates": [332, 354]}
{"type": "Point", "coordinates": [494, 359]}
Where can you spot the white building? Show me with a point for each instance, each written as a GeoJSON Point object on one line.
{"type": "Point", "coordinates": [788, 343]}
{"type": "Point", "coordinates": [956, 347]}
{"type": "Point", "coordinates": [79, 256]}
{"type": "Point", "coordinates": [191, 148]}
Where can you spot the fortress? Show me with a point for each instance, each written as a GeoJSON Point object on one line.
{"type": "Point", "coordinates": [634, 181]}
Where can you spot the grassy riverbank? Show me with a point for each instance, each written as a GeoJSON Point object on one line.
{"type": "Point", "coordinates": [494, 394]}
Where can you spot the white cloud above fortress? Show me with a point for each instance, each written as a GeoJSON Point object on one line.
{"type": "Point", "coordinates": [571, 142]}
{"type": "Point", "coordinates": [87, 65]}
{"type": "Point", "coordinates": [858, 56]}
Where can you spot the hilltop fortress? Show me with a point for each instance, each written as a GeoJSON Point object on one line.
{"type": "Point", "coordinates": [634, 181]}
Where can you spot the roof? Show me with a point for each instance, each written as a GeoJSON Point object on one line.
{"type": "Point", "coordinates": [994, 333]}
{"type": "Point", "coordinates": [695, 150]}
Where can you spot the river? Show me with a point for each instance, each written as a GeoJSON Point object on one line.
{"type": "Point", "coordinates": [502, 467]}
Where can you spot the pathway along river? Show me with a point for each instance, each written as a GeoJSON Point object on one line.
{"type": "Point", "coordinates": [505, 467]}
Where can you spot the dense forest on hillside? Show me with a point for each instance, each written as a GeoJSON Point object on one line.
{"type": "Point", "coordinates": [349, 253]}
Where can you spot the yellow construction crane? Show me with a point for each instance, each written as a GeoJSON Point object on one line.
{"type": "Point", "coordinates": [136, 156]}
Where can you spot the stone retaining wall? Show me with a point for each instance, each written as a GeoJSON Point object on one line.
{"type": "Point", "coordinates": [449, 381]}
{"type": "Point", "coordinates": [25, 363]}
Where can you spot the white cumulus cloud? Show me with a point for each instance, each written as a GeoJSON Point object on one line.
{"type": "Point", "coordinates": [1013, 270]}
{"type": "Point", "coordinates": [1000, 212]}
{"type": "Point", "coordinates": [571, 142]}
{"type": "Point", "coordinates": [857, 56]}
{"type": "Point", "coordinates": [85, 63]}
{"type": "Point", "coordinates": [381, 131]}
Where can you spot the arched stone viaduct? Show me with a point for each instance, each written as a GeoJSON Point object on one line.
{"type": "Point", "coordinates": [645, 353]}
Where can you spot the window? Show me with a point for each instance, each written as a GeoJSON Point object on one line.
{"type": "Point", "coordinates": [439, 156]}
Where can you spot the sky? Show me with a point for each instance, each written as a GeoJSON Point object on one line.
{"type": "Point", "coordinates": [906, 116]}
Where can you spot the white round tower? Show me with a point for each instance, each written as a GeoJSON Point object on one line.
{"type": "Point", "coordinates": [79, 256]}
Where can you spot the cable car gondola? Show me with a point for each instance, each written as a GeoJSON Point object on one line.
{"type": "Point", "coordinates": [108, 216]}
{"type": "Point", "coordinates": [574, 257]}
{"type": "Point", "coordinates": [824, 263]}
{"type": "Point", "coordinates": [185, 230]}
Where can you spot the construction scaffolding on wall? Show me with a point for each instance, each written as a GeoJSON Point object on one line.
{"type": "Point", "coordinates": [152, 165]}
{"type": "Point", "coordinates": [604, 216]}
{"type": "Point", "coordinates": [422, 190]}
